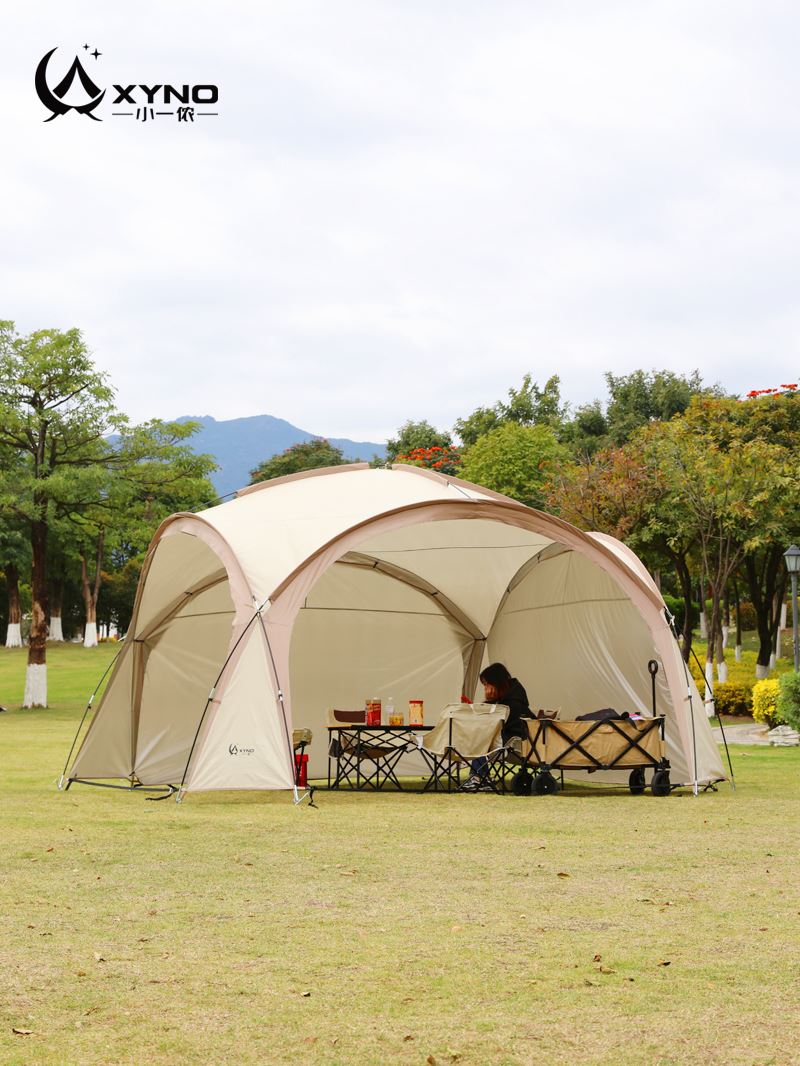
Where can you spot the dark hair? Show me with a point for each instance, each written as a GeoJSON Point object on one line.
{"type": "Point", "coordinates": [496, 675]}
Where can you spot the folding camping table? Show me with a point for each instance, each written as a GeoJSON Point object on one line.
{"type": "Point", "coordinates": [607, 744]}
{"type": "Point", "coordinates": [366, 756]}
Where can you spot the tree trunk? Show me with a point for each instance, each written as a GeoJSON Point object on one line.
{"type": "Point", "coordinates": [722, 666]}
{"type": "Point", "coordinates": [14, 631]}
{"type": "Point", "coordinates": [762, 579]}
{"type": "Point", "coordinates": [91, 591]}
{"type": "Point", "coordinates": [738, 621]}
{"type": "Point", "coordinates": [36, 673]}
{"type": "Point", "coordinates": [703, 622]}
{"type": "Point", "coordinates": [56, 600]}
{"type": "Point", "coordinates": [712, 624]}
{"type": "Point", "coordinates": [685, 581]}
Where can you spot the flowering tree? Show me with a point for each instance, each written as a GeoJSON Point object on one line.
{"type": "Point", "coordinates": [445, 460]}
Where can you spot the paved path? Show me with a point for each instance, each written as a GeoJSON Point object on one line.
{"type": "Point", "coordinates": [747, 733]}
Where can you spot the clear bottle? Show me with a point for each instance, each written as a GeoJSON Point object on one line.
{"type": "Point", "coordinates": [389, 711]}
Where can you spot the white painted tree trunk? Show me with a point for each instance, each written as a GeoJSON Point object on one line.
{"type": "Point", "coordinates": [709, 696]}
{"type": "Point", "coordinates": [35, 685]}
{"type": "Point", "coordinates": [784, 608]}
{"type": "Point", "coordinates": [725, 631]}
{"type": "Point", "coordinates": [738, 653]}
{"type": "Point", "coordinates": [56, 632]}
{"type": "Point", "coordinates": [772, 661]}
{"type": "Point", "coordinates": [761, 672]}
{"type": "Point", "coordinates": [703, 626]}
{"type": "Point", "coordinates": [722, 672]}
{"type": "Point", "coordinates": [14, 635]}
{"type": "Point", "coordinates": [90, 635]}
{"type": "Point", "coordinates": [778, 643]}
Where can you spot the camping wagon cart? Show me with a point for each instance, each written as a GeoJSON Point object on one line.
{"type": "Point", "coordinates": [605, 744]}
{"type": "Point", "coordinates": [254, 617]}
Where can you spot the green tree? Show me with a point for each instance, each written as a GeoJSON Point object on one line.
{"type": "Point", "coordinates": [151, 473]}
{"type": "Point", "coordinates": [773, 418]}
{"type": "Point", "coordinates": [649, 396]}
{"type": "Point", "coordinates": [727, 493]}
{"type": "Point", "coordinates": [14, 548]}
{"type": "Point", "coordinates": [308, 455]}
{"type": "Point", "coordinates": [416, 435]}
{"type": "Point", "coordinates": [587, 431]}
{"type": "Point", "coordinates": [515, 460]}
{"type": "Point", "coordinates": [623, 492]}
{"type": "Point", "coordinates": [54, 409]}
{"type": "Point", "coordinates": [527, 406]}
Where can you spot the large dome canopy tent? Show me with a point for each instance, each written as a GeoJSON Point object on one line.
{"type": "Point", "coordinates": [323, 588]}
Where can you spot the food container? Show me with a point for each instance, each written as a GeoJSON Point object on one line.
{"type": "Point", "coordinates": [396, 717]}
{"type": "Point", "coordinates": [415, 712]}
{"type": "Point", "coordinates": [373, 716]}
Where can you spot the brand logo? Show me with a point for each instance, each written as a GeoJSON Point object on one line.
{"type": "Point", "coordinates": [234, 749]}
{"type": "Point", "coordinates": [54, 101]}
{"type": "Point", "coordinates": [76, 91]}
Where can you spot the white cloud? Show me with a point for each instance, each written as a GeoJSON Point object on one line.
{"type": "Point", "coordinates": [402, 208]}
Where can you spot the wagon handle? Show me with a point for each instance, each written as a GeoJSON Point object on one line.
{"type": "Point", "coordinates": [652, 666]}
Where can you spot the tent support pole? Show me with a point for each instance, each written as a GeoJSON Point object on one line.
{"type": "Point", "coordinates": [671, 622]}
{"type": "Point", "coordinates": [283, 708]}
{"type": "Point", "coordinates": [721, 728]}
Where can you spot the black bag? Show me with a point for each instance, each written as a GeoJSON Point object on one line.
{"type": "Point", "coordinates": [603, 715]}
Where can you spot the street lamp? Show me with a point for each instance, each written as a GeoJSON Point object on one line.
{"type": "Point", "coordinates": [792, 559]}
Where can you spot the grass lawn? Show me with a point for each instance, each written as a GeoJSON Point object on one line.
{"type": "Point", "coordinates": [581, 928]}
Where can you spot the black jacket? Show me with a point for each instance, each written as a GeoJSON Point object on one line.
{"type": "Point", "coordinates": [516, 699]}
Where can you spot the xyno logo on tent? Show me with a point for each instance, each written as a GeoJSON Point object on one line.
{"type": "Point", "coordinates": [234, 749]}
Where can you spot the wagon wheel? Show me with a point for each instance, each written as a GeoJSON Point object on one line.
{"type": "Point", "coordinates": [545, 784]}
{"type": "Point", "coordinates": [636, 781]}
{"type": "Point", "coordinates": [660, 785]}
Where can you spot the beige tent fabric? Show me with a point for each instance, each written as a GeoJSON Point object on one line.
{"type": "Point", "coordinates": [328, 588]}
{"type": "Point", "coordinates": [107, 749]}
{"type": "Point", "coordinates": [247, 743]}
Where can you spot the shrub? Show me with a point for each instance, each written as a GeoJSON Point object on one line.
{"type": "Point", "coordinates": [733, 698]}
{"type": "Point", "coordinates": [747, 613]}
{"type": "Point", "coordinates": [765, 700]}
{"type": "Point", "coordinates": [788, 706]}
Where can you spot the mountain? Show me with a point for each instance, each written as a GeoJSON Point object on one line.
{"type": "Point", "coordinates": [240, 444]}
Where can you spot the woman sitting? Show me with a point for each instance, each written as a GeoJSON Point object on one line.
{"type": "Point", "coordinates": [500, 687]}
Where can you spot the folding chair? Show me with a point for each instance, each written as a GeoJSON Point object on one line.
{"type": "Point", "coordinates": [466, 732]}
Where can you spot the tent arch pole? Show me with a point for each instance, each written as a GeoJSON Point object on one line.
{"type": "Point", "coordinates": [447, 606]}
{"type": "Point", "coordinates": [186, 523]}
{"type": "Point", "coordinates": [279, 690]}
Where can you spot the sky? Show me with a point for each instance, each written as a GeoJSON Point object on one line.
{"type": "Point", "coordinates": [401, 208]}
